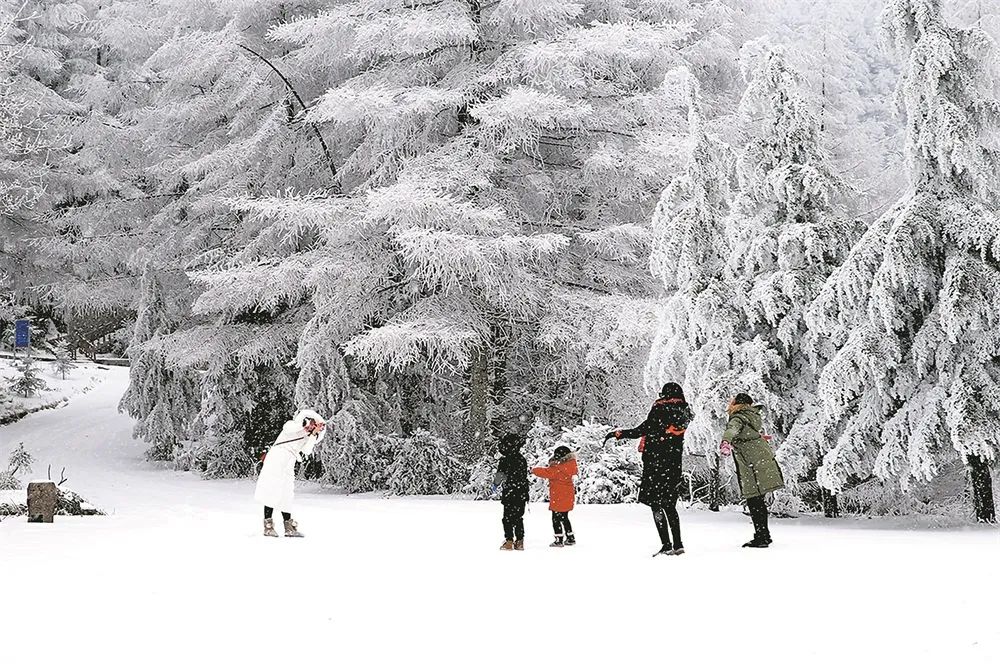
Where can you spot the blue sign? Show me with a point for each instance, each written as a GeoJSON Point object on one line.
{"type": "Point", "coordinates": [22, 333]}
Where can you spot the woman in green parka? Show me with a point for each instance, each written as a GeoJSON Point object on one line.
{"type": "Point", "coordinates": [756, 468]}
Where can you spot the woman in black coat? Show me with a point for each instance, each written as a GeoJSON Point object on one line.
{"type": "Point", "coordinates": [662, 446]}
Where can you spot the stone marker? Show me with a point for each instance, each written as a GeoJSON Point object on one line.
{"type": "Point", "coordinates": [42, 499]}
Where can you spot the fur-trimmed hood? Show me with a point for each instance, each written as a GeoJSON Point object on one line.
{"type": "Point", "coordinates": [735, 409]}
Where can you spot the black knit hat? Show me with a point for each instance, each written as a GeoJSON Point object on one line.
{"type": "Point", "coordinates": [672, 391]}
{"type": "Point", "coordinates": [742, 399]}
{"type": "Point", "coordinates": [510, 442]}
{"type": "Point", "coordinates": [561, 452]}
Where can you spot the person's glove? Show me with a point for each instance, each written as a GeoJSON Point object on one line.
{"type": "Point", "coordinates": [642, 444]}
{"type": "Point", "coordinates": [725, 448]}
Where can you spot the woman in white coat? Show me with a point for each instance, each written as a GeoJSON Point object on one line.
{"type": "Point", "coordinates": [276, 483]}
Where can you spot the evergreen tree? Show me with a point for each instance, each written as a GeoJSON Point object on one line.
{"type": "Point", "coordinates": [161, 396]}
{"type": "Point", "coordinates": [26, 381]}
{"type": "Point", "coordinates": [513, 152]}
{"type": "Point", "coordinates": [786, 240]}
{"type": "Point", "coordinates": [913, 310]}
{"type": "Point", "coordinates": [64, 360]}
{"type": "Point", "coordinates": [19, 463]}
{"type": "Point", "coordinates": [695, 338]}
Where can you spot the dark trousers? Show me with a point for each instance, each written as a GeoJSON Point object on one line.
{"type": "Point", "coordinates": [667, 521]}
{"type": "Point", "coordinates": [560, 523]}
{"type": "Point", "coordinates": [268, 512]}
{"type": "Point", "coordinates": [513, 521]}
{"type": "Point", "coordinates": [758, 514]}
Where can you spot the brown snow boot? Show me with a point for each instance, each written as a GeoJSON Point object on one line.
{"type": "Point", "coordinates": [519, 544]}
{"type": "Point", "coordinates": [292, 529]}
{"type": "Point", "coordinates": [269, 527]}
{"type": "Point", "coordinates": [507, 545]}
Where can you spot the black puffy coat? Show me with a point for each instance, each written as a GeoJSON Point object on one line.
{"type": "Point", "coordinates": [512, 474]}
{"type": "Point", "coordinates": [663, 431]}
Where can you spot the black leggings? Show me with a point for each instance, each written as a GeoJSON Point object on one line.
{"type": "Point", "coordinates": [513, 521]}
{"type": "Point", "coordinates": [758, 514]}
{"type": "Point", "coordinates": [268, 512]}
{"type": "Point", "coordinates": [667, 521]}
{"type": "Point", "coordinates": [560, 523]}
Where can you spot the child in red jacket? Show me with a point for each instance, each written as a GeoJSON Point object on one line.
{"type": "Point", "coordinates": [560, 472]}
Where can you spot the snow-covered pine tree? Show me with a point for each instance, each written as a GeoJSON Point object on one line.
{"type": "Point", "coordinates": [786, 237]}
{"type": "Point", "coordinates": [64, 362]}
{"type": "Point", "coordinates": [696, 336]}
{"type": "Point", "coordinates": [600, 318]}
{"type": "Point", "coordinates": [220, 116]}
{"type": "Point", "coordinates": [19, 462]}
{"type": "Point", "coordinates": [424, 465]}
{"type": "Point", "coordinates": [609, 473]}
{"type": "Point", "coordinates": [31, 116]}
{"type": "Point", "coordinates": [26, 380]}
{"type": "Point", "coordinates": [522, 116]}
{"type": "Point", "coordinates": [162, 398]}
{"type": "Point", "coordinates": [834, 49]}
{"type": "Point", "coordinates": [915, 384]}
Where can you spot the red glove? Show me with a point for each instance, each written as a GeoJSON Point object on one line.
{"type": "Point", "coordinates": [725, 448]}
{"type": "Point", "coordinates": [642, 444]}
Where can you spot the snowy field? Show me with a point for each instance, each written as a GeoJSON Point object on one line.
{"type": "Point", "coordinates": [178, 574]}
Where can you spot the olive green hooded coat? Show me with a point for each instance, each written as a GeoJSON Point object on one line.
{"type": "Point", "coordinates": [756, 467]}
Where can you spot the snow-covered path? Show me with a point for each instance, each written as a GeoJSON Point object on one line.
{"type": "Point", "coordinates": [179, 574]}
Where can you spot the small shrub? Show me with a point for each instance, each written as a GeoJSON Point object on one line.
{"type": "Point", "coordinates": [481, 474]}
{"type": "Point", "coordinates": [18, 463]}
{"type": "Point", "coordinates": [215, 457]}
{"type": "Point", "coordinates": [26, 382]}
{"type": "Point", "coordinates": [786, 505]}
{"type": "Point", "coordinates": [64, 361]}
{"type": "Point", "coordinates": [424, 465]}
{"type": "Point", "coordinates": [358, 464]}
{"type": "Point", "coordinates": [609, 473]}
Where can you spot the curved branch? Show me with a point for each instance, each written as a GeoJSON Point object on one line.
{"type": "Point", "coordinates": [298, 98]}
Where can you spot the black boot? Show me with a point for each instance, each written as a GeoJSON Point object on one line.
{"type": "Point", "coordinates": [667, 549]}
{"type": "Point", "coordinates": [758, 514]}
{"type": "Point", "coordinates": [758, 541]}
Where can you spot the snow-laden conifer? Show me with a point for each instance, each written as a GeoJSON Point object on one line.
{"type": "Point", "coordinates": [913, 310]}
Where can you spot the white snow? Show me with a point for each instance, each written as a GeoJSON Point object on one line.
{"type": "Point", "coordinates": [78, 380]}
{"type": "Point", "coordinates": [178, 573]}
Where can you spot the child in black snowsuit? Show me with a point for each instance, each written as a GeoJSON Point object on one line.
{"type": "Point", "coordinates": [512, 475]}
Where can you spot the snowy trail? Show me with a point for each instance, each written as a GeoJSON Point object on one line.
{"type": "Point", "coordinates": [179, 574]}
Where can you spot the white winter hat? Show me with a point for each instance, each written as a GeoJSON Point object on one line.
{"type": "Point", "coordinates": [304, 415]}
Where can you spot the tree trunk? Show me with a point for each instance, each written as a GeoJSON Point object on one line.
{"type": "Point", "coordinates": [479, 392]}
{"type": "Point", "coordinates": [413, 401]}
{"type": "Point", "coordinates": [714, 486]}
{"type": "Point", "coordinates": [982, 489]}
{"type": "Point", "coordinates": [831, 507]}
{"type": "Point", "coordinates": [504, 418]}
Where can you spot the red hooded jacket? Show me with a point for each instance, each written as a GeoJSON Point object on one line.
{"type": "Point", "coordinates": [560, 474]}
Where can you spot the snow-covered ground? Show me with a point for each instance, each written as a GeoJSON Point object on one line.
{"type": "Point", "coordinates": [178, 574]}
{"type": "Point", "coordinates": [57, 388]}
